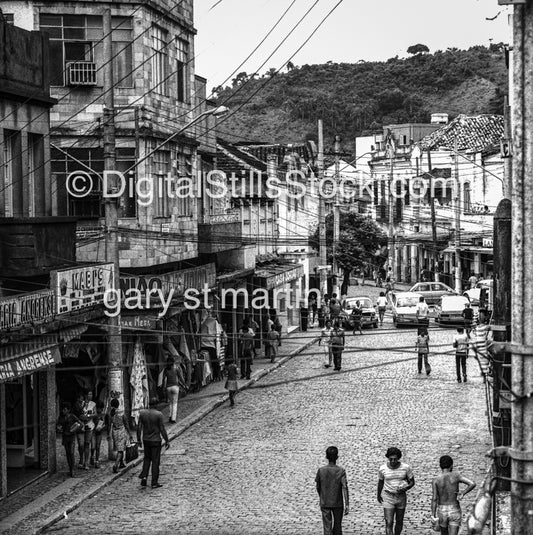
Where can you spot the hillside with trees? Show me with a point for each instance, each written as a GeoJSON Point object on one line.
{"type": "Point", "coordinates": [359, 98]}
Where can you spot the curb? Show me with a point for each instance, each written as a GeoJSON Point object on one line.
{"type": "Point", "coordinates": [186, 423]}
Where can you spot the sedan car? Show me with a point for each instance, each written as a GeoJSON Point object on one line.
{"type": "Point", "coordinates": [450, 309]}
{"type": "Point", "coordinates": [432, 291]}
{"type": "Point", "coordinates": [474, 294]}
{"type": "Point", "coordinates": [404, 308]}
{"type": "Point", "coordinates": [369, 312]}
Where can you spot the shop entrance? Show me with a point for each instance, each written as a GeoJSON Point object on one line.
{"type": "Point", "coordinates": [22, 431]}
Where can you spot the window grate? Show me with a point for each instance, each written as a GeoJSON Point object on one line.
{"type": "Point", "coordinates": [81, 73]}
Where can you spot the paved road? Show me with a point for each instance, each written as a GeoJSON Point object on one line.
{"type": "Point", "coordinates": [250, 469]}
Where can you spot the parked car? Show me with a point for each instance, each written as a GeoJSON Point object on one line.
{"type": "Point", "coordinates": [404, 308]}
{"type": "Point", "coordinates": [369, 317]}
{"type": "Point", "coordinates": [475, 293]}
{"type": "Point", "coordinates": [450, 309]}
{"type": "Point", "coordinates": [432, 291]}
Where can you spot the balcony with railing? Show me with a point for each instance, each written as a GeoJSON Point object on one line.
{"type": "Point", "coordinates": [36, 245]}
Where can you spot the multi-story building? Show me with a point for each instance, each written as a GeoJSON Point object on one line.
{"type": "Point", "coordinates": [457, 167]}
{"type": "Point", "coordinates": [34, 243]}
{"type": "Point", "coordinates": [154, 89]}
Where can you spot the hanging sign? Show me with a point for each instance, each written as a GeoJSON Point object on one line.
{"type": "Point", "coordinates": [26, 308]}
{"type": "Point", "coordinates": [81, 287]}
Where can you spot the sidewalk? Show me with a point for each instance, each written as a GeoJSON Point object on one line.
{"type": "Point", "coordinates": [36, 507]}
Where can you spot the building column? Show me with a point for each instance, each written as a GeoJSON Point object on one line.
{"type": "Point", "coordinates": [477, 263]}
{"type": "Point", "coordinates": [397, 262]}
{"type": "Point", "coordinates": [3, 450]}
{"type": "Point", "coordinates": [406, 263]}
{"type": "Point", "coordinates": [48, 417]}
{"type": "Point", "coordinates": [414, 263]}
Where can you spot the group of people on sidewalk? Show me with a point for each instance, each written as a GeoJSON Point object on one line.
{"type": "Point", "coordinates": [395, 478]}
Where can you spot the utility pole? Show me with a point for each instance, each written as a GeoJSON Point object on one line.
{"type": "Point", "coordinates": [336, 215]}
{"type": "Point", "coordinates": [323, 259]}
{"type": "Point", "coordinates": [115, 376]}
{"type": "Point", "coordinates": [522, 250]}
{"type": "Point", "coordinates": [507, 162]}
{"type": "Point", "coordinates": [457, 208]}
{"type": "Point", "coordinates": [391, 244]}
{"type": "Point", "coordinates": [433, 219]}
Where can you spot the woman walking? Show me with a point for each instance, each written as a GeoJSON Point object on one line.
{"type": "Point", "coordinates": [325, 342]}
{"type": "Point", "coordinates": [120, 432]}
{"type": "Point", "coordinates": [171, 382]}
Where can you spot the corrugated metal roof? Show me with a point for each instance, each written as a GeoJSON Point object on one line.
{"type": "Point", "coordinates": [473, 133]}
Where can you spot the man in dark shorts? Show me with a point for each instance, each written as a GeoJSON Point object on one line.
{"type": "Point", "coordinates": [332, 487]}
{"type": "Point", "coordinates": [445, 502]}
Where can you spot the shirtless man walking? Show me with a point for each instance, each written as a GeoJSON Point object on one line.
{"type": "Point", "coordinates": [446, 495]}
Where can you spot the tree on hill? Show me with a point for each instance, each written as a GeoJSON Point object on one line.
{"type": "Point", "coordinates": [418, 49]}
{"type": "Point", "coordinates": [360, 239]}
{"type": "Point", "coordinates": [240, 79]}
{"type": "Point", "coordinates": [290, 66]}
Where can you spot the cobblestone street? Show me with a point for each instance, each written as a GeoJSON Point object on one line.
{"type": "Point", "coordinates": [250, 469]}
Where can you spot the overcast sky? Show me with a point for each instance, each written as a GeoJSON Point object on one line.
{"type": "Point", "coordinates": [372, 30]}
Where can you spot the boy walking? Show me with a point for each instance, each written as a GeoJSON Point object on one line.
{"type": "Point", "coordinates": [422, 345]}
{"type": "Point", "coordinates": [332, 487]}
{"type": "Point", "coordinates": [460, 343]}
{"type": "Point", "coordinates": [445, 502]}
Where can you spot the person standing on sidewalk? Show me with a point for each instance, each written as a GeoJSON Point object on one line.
{"type": "Point", "coordinates": [68, 425]}
{"type": "Point", "coordinates": [337, 345]}
{"type": "Point", "coordinates": [246, 340]}
{"type": "Point", "coordinates": [332, 487]}
{"type": "Point", "coordinates": [325, 342]}
{"type": "Point", "coordinates": [99, 426]}
{"type": "Point", "coordinates": [395, 479]}
{"type": "Point", "coordinates": [481, 341]}
{"type": "Point", "coordinates": [422, 345]}
{"type": "Point", "coordinates": [272, 343]}
{"type": "Point", "coordinates": [460, 343]}
{"type": "Point", "coordinates": [150, 429]}
{"type": "Point", "coordinates": [382, 306]}
{"type": "Point", "coordinates": [445, 506]}
{"type": "Point", "coordinates": [231, 383]}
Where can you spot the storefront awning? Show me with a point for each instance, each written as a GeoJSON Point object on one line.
{"type": "Point", "coordinates": [470, 249]}
{"type": "Point", "coordinates": [29, 363]}
{"type": "Point", "coordinates": [278, 275]}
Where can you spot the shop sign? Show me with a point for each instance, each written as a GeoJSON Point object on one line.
{"type": "Point", "coordinates": [284, 277]}
{"type": "Point", "coordinates": [175, 283]}
{"type": "Point", "coordinates": [488, 242]}
{"type": "Point", "coordinates": [82, 287]}
{"type": "Point", "coordinates": [29, 363]}
{"type": "Point", "coordinates": [26, 308]}
{"type": "Point", "coordinates": [137, 322]}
